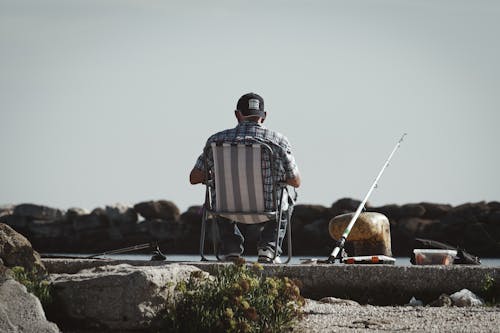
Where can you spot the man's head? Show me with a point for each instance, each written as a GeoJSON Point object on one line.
{"type": "Point", "coordinates": [250, 106]}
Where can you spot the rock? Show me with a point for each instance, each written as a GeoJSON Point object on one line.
{"type": "Point", "coordinates": [88, 222]}
{"type": "Point", "coordinates": [162, 209]}
{"type": "Point", "coordinates": [192, 216]}
{"type": "Point", "coordinates": [338, 301]}
{"type": "Point", "coordinates": [443, 300]}
{"type": "Point", "coordinates": [74, 212]}
{"type": "Point", "coordinates": [393, 212]}
{"type": "Point", "coordinates": [494, 218]}
{"type": "Point", "coordinates": [47, 229]}
{"type": "Point", "coordinates": [122, 221]}
{"type": "Point", "coordinates": [494, 205]}
{"type": "Point", "coordinates": [160, 229]}
{"type": "Point", "coordinates": [415, 302]}
{"type": "Point", "coordinates": [469, 212]}
{"type": "Point", "coordinates": [16, 250]}
{"type": "Point", "coordinates": [345, 205]}
{"type": "Point", "coordinates": [465, 297]}
{"type": "Point", "coordinates": [37, 212]}
{"type": "Point", "coordinates": [412, 210]}
{"type": "Point", "coordinates": [435, 211]}
{"type": "Point", "coordinates": [416, 227]}
{"type": "Point", "coordinates": [370, 234]}
{"type": "Point", "coordinates": [21, 311]}
{"type": "Point", "coordinates": [310, 212]}
{"type": "Point", "coordinates": [121, 214]}
{"type": "Point", "coordinates": [15, 221]}
{"type": "Point", "coordinates": [121, 297]}
{"type": "Point", "coordinates": [477, 236]}
{"type": "Point", "coordinates": [316, 230]}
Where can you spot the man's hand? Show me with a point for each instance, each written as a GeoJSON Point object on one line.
{"type": "Point", "coordinates": [295, 181]}
{"type": "Point", "coordinates": [196, 176]}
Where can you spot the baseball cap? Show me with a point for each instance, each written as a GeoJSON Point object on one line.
{"type": "Point", "coordinates": [251, 104]}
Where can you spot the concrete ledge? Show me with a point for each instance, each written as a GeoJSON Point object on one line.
{"type": "Point", "coordinates": [374, 284]}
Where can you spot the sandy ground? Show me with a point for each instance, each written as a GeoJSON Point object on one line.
{"type": "Point", "coordinates": [325, 317]}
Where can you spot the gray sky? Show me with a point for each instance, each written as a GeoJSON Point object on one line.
{"type": "Point", "coordinates": [112, 101]}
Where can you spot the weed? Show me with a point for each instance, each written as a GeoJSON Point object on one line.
{"type": "Point", "coordinates": [237, 299]}
{"type": "Point", "coordinates": [490, 290]}
{"type": "Point", "coordinates": [34, 283]}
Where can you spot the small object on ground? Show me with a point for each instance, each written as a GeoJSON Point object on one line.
{"type": "Point", "coordinates": [434, 256]}
{"type": "Point", "coordinates": [338, 301]}
{"type": "Point", "coordinates": [415, 302]}
{"type": "Point", "coordinates": [465, 297]}
{"type": "Point", "coordinates": [443, 300]}
{"type": "Point", "coordinates": [375, 259]}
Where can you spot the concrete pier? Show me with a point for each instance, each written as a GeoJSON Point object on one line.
{"type": "Point", "coordinates": [373, 284]}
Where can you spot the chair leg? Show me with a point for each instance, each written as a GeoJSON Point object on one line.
{"type": "Point", "coordinates": [215, 237]}
{"type": "Point", "coordinates": [202, 236]}
{"type": "Point", "coordinates": [289, 232]}
{"type": "Point", "coordinates": [278, 229]}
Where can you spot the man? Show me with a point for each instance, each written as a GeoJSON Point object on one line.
{"type": "Point", "coordinates": [251, 115]}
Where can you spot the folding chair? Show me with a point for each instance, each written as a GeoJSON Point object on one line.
{"type": "Point", "coordinates": [237, 179]}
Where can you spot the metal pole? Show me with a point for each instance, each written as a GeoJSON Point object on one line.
{"type": "Point", "coordinates": [341, 242]}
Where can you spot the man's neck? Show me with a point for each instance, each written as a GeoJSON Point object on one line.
{"type": "Point", "coordinates": [251, 122]}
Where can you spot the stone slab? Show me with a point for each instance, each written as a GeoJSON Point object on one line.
{"type": "Point", "coordinates": [373, 284]}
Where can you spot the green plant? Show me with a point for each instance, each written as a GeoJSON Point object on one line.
{"type": "Point", "coordinates": [490, 290]}
{"type": "Point", "coordinates": [236, 299]}
{"type": "Point", "coordinates": [34, 283]}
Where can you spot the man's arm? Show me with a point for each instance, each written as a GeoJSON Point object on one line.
{"type": "Point", "coordinates": [196, 176]}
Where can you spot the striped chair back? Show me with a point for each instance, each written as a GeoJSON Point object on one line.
{"type": "Point", "coordinates": [239, 185]}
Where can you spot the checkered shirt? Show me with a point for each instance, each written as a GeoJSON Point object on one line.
{"type": "Point", "coordinates": [285, 165]}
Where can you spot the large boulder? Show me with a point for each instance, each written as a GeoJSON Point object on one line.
{"type": "Point", "coordinates": [120, 214]}
{"type": "Point", "coordinates": [370, 234]}
{"type": "Point", "coordinates": [38, 212]}
{"type": "Point", "coordinates": [435, 211]}
{"type": "Point", "coordinates": [20, 311]}
{"type": "Point", "coordinates": [121, 297]}
{"type": "Point", "coordinates": [310, 212]}
{"type": "Point", "coordinates": [416, 227]}
{"type": "Point", "coordinates": [345, 205]}
{"type": "Point", "coordinates": [121, 221]}
{"type": "Point", "coordinates": [161, 209]}
{"type": "Point", "coordinates": [16, 250]}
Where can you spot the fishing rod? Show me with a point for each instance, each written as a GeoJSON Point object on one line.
{"type": "Point", "coordinates": [341, 241]}
{"type": "Point", "coordinates": [122, 250]}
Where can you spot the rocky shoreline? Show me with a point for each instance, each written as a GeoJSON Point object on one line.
{"type": "Point", "coordinates": [471, 226]}
{"type": "Point", "coordinates": [110, 296]}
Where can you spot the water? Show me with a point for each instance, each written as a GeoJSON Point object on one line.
{"type": "Point", "coordinates": [400, 261]}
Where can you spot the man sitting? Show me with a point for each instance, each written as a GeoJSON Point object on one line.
{"type": "Point", "coordinates": [251, 115]}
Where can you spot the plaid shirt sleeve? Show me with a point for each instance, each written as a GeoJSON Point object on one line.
{"type": "Point", "coordinates": [288, 160]}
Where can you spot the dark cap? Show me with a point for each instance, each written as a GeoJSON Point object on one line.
{"type": "Point", "coordinates": [251, 105]}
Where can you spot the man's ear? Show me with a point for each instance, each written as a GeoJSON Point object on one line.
{"type": "Point", "coordinates": [238, 115]}
{"type": "Point", "coordinates": [263, 118]}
